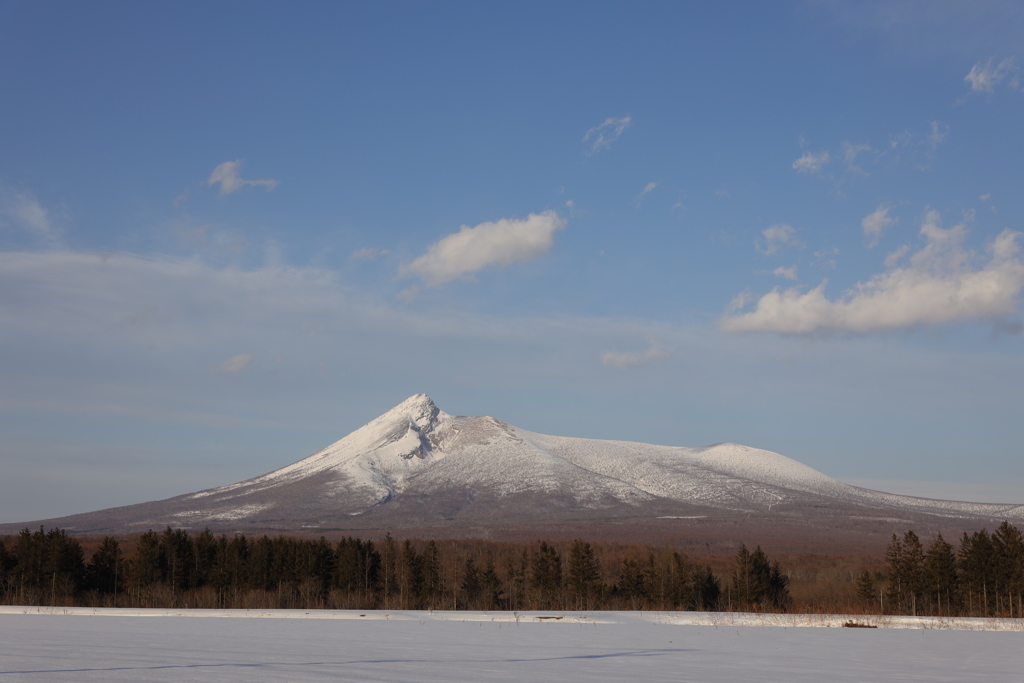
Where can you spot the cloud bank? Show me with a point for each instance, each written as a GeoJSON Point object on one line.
{"type": "Point", "coordinates": [938, 285]}
{"type": "Point", "coordinates": [499, 243]}
{"type": "Point", "coordinates": [227, 176]}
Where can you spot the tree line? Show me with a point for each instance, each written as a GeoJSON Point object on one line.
{"type": "Point", "coordinates": [178, 569]}
{"type": "Point", "coordinates": [983, 577]}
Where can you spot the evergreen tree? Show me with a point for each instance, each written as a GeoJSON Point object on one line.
{"type": "Point", "coordinates": [939, 577]}
{"type": "Point", "coordinates": [144, 567]}
{"type": "Point", "coordinates": [431, 584]}
{"type": "Point", "coordinates": [905, 559]}
{"type": "Point", "coordinates": [584, 574]}
{"type": "Point", "coordinates": [6, 565]}
{"type": "Point", "coordinates": [204, 551]}
{"type": "Point", "coordinates": [977, 567]}
{"type": "Point", "coordinates": [707, 590]}
{"type": "Point", "coordinates": [632, 584]}
{"type": "Point", "coordinates": [106, 568]}
{"type": "Point", "coordinates": [866, 590]}
{"type": "Point", "coordinates": [546, 574]}
{"type": "Point", "coordinates": [757, 583]}
{"type": "Point", "coordinates": [388, 559]}
{"type": "Point", "coordinates": [471, 583]}
{"type": "Point", "coordinates": [1008, 569]}
{"type": "Point", "coordinates": [490, 584]}
{"type": "Point", "coordinates": [409, 576]}
{"type": "Point", "coordinates": [177, 559]}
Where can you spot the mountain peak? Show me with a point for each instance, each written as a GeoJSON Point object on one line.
{"type": "Point", "coordinates": [419, 409]}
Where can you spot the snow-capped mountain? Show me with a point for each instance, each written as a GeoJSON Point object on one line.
{"type": "Point", "coordinates": [417, 466]}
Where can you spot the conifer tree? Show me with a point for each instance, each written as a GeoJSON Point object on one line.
{"type": "Point", "coordinates": [939, 577]}
{"type": "Point", "coordinates": [866, 591]}
{"type": "Point", "coordinates": [1008, 569]}
{"type": "Point", "coordinates": [584, 573]}
{"type": "Point", "coordinates": [409, 576]}
{"type": "Point", "coordinates": [707, 589]}
{"type": "Point", "coordinates": [490, 585]}
{"type": "Point", "coordinates": [471, 583]}
{"type": "Point", "coordinates": [388, 558]}
{"type": "Point", "coordinates": [905, 558]}
{"type": "Point", "coordinates": [977, 563]}
{"type": "Point", "coordinates": [106, 568]}
{"type": "Point", "coordinates": [632, 584]}
{"type": "Point", "coordinates": [546, 574]}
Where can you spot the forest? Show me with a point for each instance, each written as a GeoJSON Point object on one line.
{"type": "Point", "coordinates": [984, 576]}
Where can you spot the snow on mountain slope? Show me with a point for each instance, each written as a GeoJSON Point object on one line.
{"type": "Point", "coordinates": [419, 450]}
{"type": "Point", "coordinates": [417, 465]}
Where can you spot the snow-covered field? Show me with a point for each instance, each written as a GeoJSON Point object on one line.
{"type": "Point", "coordinates": [161, 645]}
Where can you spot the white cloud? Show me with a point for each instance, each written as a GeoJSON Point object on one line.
{"type": "Point", "coordinates": [939, 285]}
{"type": "Point", "coordinates": [25, 212]}
{"type": "Point", "coordinates": [602, 136]}
{"type": "Point", "coordinates": [236, 363]}
{"type": "Point", "coordinates": [985, 197]}
{"type": "Point", "coordinates": [919, 147]}
{"type": "Point", "coordinates": [500, 243]}
{"type": "Point", "coordinates": [787, 273]}
{"type": "Point", "coordinates": [985, 77]}
{"type": "Point", "coordinates": [227, 176]}
{"type": "Point", "coordinates": [939, 133]}
{"type": "Point", "coordinates": [875, 223]}
{"type": "Point", "coordinates": [827, 257]}
{"type": "Point", "coordinates": [894, 257]}
{"type": "Point", "coordinates": [777, 236]}
{"type": "Point", "coordinates": [851, 152]}
{"type": "Point", "coordinates": [648, 188]}
{"type": "Point", "coordinates": [368, 254]}
{"type": "Point", "coordinates": [632, 359]}
{"type": "Point", "coordinates": [811, 162]}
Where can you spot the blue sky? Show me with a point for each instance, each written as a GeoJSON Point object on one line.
{"type": "Point", "coordinates": [232, 233]}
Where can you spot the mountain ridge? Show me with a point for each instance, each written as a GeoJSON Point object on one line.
{"type": "Point", "coordinates": [417, 466]}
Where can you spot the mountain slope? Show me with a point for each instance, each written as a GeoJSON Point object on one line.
{"type": "Point", "coordinates": [417, 466]}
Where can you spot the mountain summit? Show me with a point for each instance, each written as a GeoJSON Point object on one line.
{"type": "Point", "coordinates": [416, 466]}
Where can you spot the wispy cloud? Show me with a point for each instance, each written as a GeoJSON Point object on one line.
{"type": "Point", "coordinates": [648, 188]}
{"type": "Point", "coordinates": [875, 223]}
{"type": "Point", "coordinates": [632, 359]}
{"type": "Point", "coordinates": [602, 136]}
{"type": "Point", "coordinates": [985, 77]}
{"type": "Point", "coordinates": [939, 285]}
{"type": "Point", "coordinates": [787, 273]}
{"type": "Point", "coordinates": [920, 148]}
{"type": "Point", "coordinates": [850, 153]}
{"type": "Point", "coordinates": [810, 162]}
{"type": "Point", "coordinates": [236, 364]}
{"type": "Point", "coordinates": [775, 237]}
{"type": "Point", "coordinates": [227, 176]}
{"type": "Point", "coordinates": [22, 210]}
{"type": "Point", "coordinates": [471, 249]}
{"type": "Point", "coordinates": [368, 254]}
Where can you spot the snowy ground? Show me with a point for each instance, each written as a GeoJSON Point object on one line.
{"type": "Point", "coordinates": [157, 645]}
